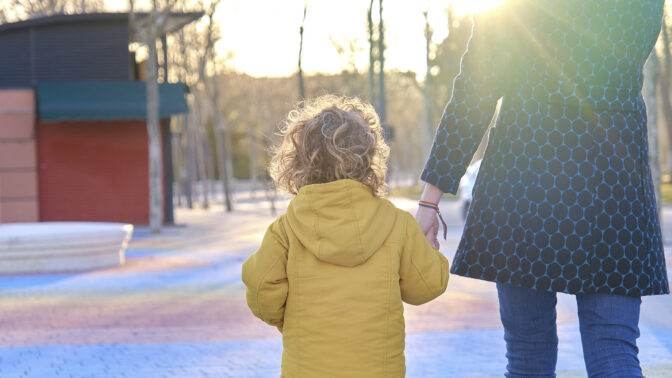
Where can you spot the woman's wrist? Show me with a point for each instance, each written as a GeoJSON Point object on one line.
{"type": "Point", "coordinates": [429, 200]}
{"type": "Point", "coordinates": [431, 194]}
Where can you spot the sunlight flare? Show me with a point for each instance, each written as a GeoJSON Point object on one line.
{"type": "Point", "coordinates": [475, 6]}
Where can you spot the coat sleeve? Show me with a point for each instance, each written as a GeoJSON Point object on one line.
{"type": "Point", "coordinates": [476, 90]}
{"type": "Point", "coordinates": [423, 272]}
{"type": "Point", "coordinates": [265, 275]}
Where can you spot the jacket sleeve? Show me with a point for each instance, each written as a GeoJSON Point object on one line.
{"type": "Point", "coordinates": [265, 275]}
{"type": "Point", "coordinates": [423, 272]}
{"type": "Point", "coordinates": [476, 90]}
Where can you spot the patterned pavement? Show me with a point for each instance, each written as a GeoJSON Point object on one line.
{"type": "Point", "coordinates": [177, 309]}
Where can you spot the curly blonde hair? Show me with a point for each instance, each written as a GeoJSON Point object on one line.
{"type": "Point", "coordinates": [331, 138]}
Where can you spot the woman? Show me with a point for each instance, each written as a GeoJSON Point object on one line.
{"type": "Point", "coordinates": [564, 198]}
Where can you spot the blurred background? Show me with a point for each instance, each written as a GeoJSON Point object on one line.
{"type": "Point", "coordinates": [246, 63]}
{"type": "Point", "coordinates": [144, 129]}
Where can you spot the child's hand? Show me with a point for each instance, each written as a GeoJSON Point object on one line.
{"type": "Point", "coordinates": [429, 223]}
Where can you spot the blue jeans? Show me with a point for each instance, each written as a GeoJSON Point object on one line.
{"type": "Point", "coordinates": [609, 330]}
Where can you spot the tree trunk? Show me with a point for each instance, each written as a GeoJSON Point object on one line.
{"type": "Point", "coordinates": [228, 158]}
{"type": "Point", "coordinates": [381, 59]}
{"type": "Point", "coordinates": [223, 163]}
{"type": "Point", "coordinates": [254, 154]}
{"type": "Point", "coordinates": [209, 162]}
{"type": "Point", "coordinates": [189, 160]}
{"type": "Point", "coordinates": [164, 49]}
{"type": "Point", "coordinates": [179, 161]}
{"type": "Point", "coordinates": [372, 60]}
{"type": "Point", "coordinates": [302, 90]}
{"type": "Point", "coordinates": [272, 196]}
{"type": "Point", "coordinates": [199, 141]}
{"type": "Point", "coordinates": [427, 132]}
{"type": "Point", "coordinates": [154, 134]}
{"type": "Point", "coordinates": [222, 146]}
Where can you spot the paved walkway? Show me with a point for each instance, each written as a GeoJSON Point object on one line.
{"type": "Point", "coordinates": [177, 309]}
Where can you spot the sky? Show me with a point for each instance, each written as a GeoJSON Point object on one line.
{"type": "Point", "coordinates": [263, 35]}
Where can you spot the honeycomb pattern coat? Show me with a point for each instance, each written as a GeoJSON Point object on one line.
{"type": "Point", "coordinates": [564, 199]}
{"type": "Point", "coordinates": [331, 274]}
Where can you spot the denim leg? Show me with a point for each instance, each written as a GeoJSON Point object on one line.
{"type": "Point", "coordinates": [530, 332]}
{"type": "Point", "coordinates": [609, 331]}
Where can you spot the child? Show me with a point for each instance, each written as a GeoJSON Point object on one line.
{"type": "Point", "coordinates": [332, 272]}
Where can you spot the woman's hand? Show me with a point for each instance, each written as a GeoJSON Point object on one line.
{"type": "Point", "coordinates": [428, 219]}
{"type": "Point", "coordinates": [429, 223]}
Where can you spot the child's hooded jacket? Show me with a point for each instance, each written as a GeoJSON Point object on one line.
{"type": "Point", "coordinates": [331, 274]}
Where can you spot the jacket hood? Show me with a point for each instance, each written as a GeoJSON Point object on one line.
{"type": "Point", "coordinates": [340, 222]}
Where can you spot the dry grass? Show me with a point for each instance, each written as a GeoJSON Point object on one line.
{"type": "Point", "coordinates": [666, 192]}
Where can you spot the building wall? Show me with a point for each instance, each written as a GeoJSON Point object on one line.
{"type": "Point", "coordinates": [18, 176]}
{"type": "Point", "coordinates": [75, 50]}
{"type": "Point", "coordinates": [93, 171]}
{"type": "Point", "coordinates": [15, 66]}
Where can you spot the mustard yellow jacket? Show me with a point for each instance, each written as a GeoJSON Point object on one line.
{"type": "Point", "coordinates": [331, 274]}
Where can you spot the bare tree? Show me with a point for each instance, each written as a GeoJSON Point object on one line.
{"type": "Point", "coordinates": [381, 59]}
{"type": "Point", "coordinates": [372, 59]}
{"type": "Point", "coordinates": [211, 87]}
{"type": "Point", "coordinates": [200, 66]}
{"type": "Point", "coordinates": [148, 33]}
{"type": "Point", "coordinates": [428, 125]}
{"type": "Point", "coordinates": [15, 10]}
{"type": "Point", "coordinates": [348, 50]}
{"type": "Point", "coordinates": [224, 158]}
{"type": "Point", "coordinates": [351, 78]}
{"type": "Point", "coordinates": [202, 150]}
{"type": "Point", "coordinates": [186, 75]}
{"type": "Point", "coordinates": [444, 63]}
{"type": "Point", "coordinates": [184, 58]}
{"type": "Point", "coordinates": [377, 57]}
{"type": "Point", "coordinates": [182, 158]}
{"type": "Point", "coordinates": [254, 156]}
{"type": "Point", "coordinates": [302, 90]}
{"type": "Point", "coordinates": [261, 115]}
{"type": "Point", "coordinates": [272, 197]}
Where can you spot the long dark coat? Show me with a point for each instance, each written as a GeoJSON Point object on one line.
{"type": "Point", "coordinates": [564, 199]}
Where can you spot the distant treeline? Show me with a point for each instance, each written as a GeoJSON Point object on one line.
{"type": "Point", "coordinates": [254, 108]}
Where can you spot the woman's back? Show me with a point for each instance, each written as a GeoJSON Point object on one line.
{"type": "Point", "coordinates": [564, 198]}
{"type": "Point", "coordinates": [567, 51]}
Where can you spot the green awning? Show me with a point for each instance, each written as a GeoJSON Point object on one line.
{"type": "Point", "coordinates": [105, 100]}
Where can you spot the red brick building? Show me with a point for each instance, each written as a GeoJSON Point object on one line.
{"type": "Point", "coordinates": [93, 171]}
{"type": "Point", "coordinates": [73, 138]}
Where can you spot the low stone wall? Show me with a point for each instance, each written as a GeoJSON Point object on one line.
{"type": "Point", "coordinates": [51, 247]}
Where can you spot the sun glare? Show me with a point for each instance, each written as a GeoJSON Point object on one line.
{"type": "Point", "coordinates": [475, 6]}
{"type": "Point", "coordinates": [344, 21]}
